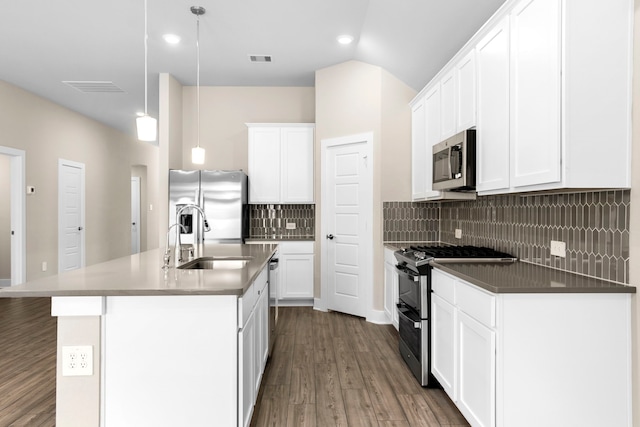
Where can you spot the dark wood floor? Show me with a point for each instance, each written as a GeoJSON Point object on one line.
{"type": "Point", "coordinates": [332, 369]}
{"type": "Point", "coordinates": [27, 362]}
{"type": "Point", "coordinates": [326, 369]}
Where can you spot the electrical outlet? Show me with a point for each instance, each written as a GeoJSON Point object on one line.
{"type": "Point", "coordinates": [558, 249]}
{"type": "Point", "coordinates": [77, 360]}
{"type": "Point", "coordinates": [44, 265]}
{"type": "Point", "coordinates": [291, 226]}
{"type": "Point", "coordinates": [458, 234]}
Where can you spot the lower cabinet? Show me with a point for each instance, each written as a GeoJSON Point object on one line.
{"type": "Point", "coordinates": [296, 271]}
{"type": "Point", "coordinates": [531, 360]}
{"type": "Point", "coordinates": [390, 287]}
{"type": "Point", "coordinates": [253, 347]}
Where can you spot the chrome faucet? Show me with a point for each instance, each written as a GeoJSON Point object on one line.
{"type": "Point", "coordinates": [167, 255]}
{"type": "Point", "coordinates": [178, 256]}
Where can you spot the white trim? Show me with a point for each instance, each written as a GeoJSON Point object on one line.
{"type": "Point", "coordinates": [379, 317]}
{"type": "Point", "coordinates": [18, 214]}
{"type": "Point", "coordinates": [367, 244]}
{"type": "Point", "coordinates": [138, 182]}
{"type": "Point", "coordinates": [295, 302]}
{"type": "Point", "coordinates": [77, 306]}
{"type": "Point", "coordinates": [68, 163]}
{"type": "Point", "coordinates": [319, 305]}
{"type": "Point", "coordinates": [5, 283]}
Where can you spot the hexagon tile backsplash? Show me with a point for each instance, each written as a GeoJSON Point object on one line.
{"type": "Point", "coordinates": [594, 225]}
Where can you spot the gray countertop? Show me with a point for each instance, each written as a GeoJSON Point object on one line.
{"type": "Point", "coordinates": [141, 274]}
{"type": "Point", "coordinates": [523, 277]}
{"type": "Point", "coordinates": [281, 238]}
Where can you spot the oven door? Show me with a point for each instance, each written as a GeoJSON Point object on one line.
{"type": "Point", "coordinates": [409, 292]}
{"type": "Point", "coordinates": [410, 330]}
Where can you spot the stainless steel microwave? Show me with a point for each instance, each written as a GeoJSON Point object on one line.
{"type": "Point", "coordinates": [454, 162]}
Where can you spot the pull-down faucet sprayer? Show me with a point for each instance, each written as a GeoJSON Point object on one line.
{"type": "Point", "coordinates": [177, 251]}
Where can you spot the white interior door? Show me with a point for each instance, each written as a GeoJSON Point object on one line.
{"type": "Point", "coordinates": [70, 215]}
{"type": "Point", "coordinates": [347, 216]}
{"type": "Point", "coordinates": [17, 197]}
{"type": "Point", "coordinates": [135, 214]}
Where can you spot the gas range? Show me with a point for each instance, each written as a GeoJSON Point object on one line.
{"type": "Point", "coordinates": [418, 257]}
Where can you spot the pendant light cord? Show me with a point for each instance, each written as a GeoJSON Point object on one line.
{"type": "Point", "coordinates": [146, 36]}
{"type": "Point", "coordinates": [198, 76]}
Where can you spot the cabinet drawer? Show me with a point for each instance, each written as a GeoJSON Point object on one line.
{"type": "Point", "coordinates": [245, 304]}
{"type": "Point", "coordinates": [296, 247]}
{"type": "Point", "coordinates": [476, 303]}
{"type": "Point", "coordinates": [443, 285]}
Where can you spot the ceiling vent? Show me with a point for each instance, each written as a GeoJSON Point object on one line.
{"type": "Point", "coordinates": [260, 58]}
{"type": "Point", "coordinates": [93, 86]}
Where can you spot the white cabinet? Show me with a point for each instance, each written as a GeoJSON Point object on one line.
{"type": "Point", "coordinates": [492, 134]}
{"type": "Point", "coordinates": [281, 163]}
{"type": "Point", "coordinates": [499, 355]}
{"type": "Point", "coordinates": [390, 287]}
{"type": "Point", "coordinates": [443, 344]}
{"type": "Point", "coordinates": [566, 121]}
{"type": "Point", "coordinates": [253, 345]}
{"type": "Point", "coordinates": [466, 84]}
{"type": "Point", "coordinates": [448, 95]}
{"type": "Point", "coordinates": [296, 271]}
{"type": "Point", "coordinates": [420, 165]}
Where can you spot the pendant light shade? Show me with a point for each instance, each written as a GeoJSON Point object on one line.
{"type": "Point", "coordinates": [147, 125]}
{"type": "Point", "coordinates": [197, 153]}
{"type": "Point", "coordinates": [147, 128]}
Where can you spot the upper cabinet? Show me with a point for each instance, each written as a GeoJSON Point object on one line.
{"type": "Point", "coordinates": [547, 84]}
{"type": "Point", "coordinates": [281, 163]}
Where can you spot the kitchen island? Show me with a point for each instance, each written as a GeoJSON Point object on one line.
{"type": "Point", "coordinates": [167, 348]}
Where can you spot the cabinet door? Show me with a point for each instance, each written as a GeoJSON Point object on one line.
{"type": "Point", "coordinates": [389, 296]}
{"type": "Point", "coordinates": [443, 341]}
{"type": "Point", "coordinates": [466, 92]}
{"type": "Point", "coordinates": [535, 92]}
{"type": "Point", "coordinates": [246, 376]}
{"type": "Point", "coordinates": [261, 338]}
{"type": "Point", "coordinates": [296, 276]}
{"type": "Point", "coordinates": [297, 164]}
{"type": "Point", "coordinates": [448, 105]}
{"type": "Point", "coordinates": [477, 371]}
{"type": "Point", "coordinates": [432, 135]}
{"type": "Point", "coordinates": [419, 158]}
{"type": "Point", "coordinates": [492, 136]}
{"type": "Point", "coordinates": [264, 165]}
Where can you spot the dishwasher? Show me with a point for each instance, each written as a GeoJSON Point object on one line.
{"type": "Point", "coordinates": [274, 294]}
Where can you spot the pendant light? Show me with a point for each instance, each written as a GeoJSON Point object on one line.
{"type": "Point", "coordinates": [147, 125]}
{"type": "Point", "coordinates": [197, 153]}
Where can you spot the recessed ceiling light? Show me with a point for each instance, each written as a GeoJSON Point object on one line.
{"type": "Point", "coordinates": [171, 38]}
{"type": "Point", "coordinates": [345, 39]}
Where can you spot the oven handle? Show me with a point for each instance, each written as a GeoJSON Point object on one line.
{"type": "Point", "coordinates": [403, 272]}
{"type": "Point", "coordinates": [417, 324]}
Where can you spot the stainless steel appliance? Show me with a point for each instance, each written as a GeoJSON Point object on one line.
{"type": "Point", "coordinates": [223, 197]}
{"type": "Point", "coordinates": [273, 299]}
{"type": "Point", "coordinates": [414, 298]}
{"type": "Point", "coordinates": [454, 162]}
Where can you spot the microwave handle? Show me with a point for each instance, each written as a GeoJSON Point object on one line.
{"type": "Point", "coordinates": [449, 162]}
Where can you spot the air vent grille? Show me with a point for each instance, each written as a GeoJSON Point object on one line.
{"type": "Point", "coordinates": [93, 86]}
{"type": "Point", "coordinates": [260, 58]}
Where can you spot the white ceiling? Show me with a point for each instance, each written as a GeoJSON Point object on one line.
{"type": "Point", "coordinates": [44, 42]}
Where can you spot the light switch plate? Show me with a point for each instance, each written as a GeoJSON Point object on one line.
{"type": "Point", "coordinates": [558, 249]}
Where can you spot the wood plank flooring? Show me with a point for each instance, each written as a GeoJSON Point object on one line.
{"type": "Point", "coordinates": [327, 369]}
{"type": "Point", "coordinates": [27, 362]}
{"type": "Point", "coordinates": [332, 369]}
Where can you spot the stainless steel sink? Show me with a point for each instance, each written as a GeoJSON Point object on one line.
{"type": "Point", "coordinates": [215, 263]}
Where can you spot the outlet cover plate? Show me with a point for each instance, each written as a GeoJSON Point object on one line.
{"type": "Point", "coordinates": [458, 233]}
{"type": "Point", "coordinates": [558, 249]}
{"type": "Point", "coordinates": [77, 360]}
{"type": "Point", "coordinates": [291, 226]}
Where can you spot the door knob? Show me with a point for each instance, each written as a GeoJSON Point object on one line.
{"type": "Point", "coordinates": [330, 236]}
{"type": "Point", "coordinates": [133, 223]}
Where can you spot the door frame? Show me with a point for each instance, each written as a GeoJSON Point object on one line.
{"type": "Point", "coordinates": [138, 181]}
{"type": "Point", "coordinates": [18, 214]}
{"type": "Point", "coordinates": [367, 244]}
{"type": "Point", "coordinates": [62, 163]}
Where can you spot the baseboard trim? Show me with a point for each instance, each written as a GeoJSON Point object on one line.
{"type": "Point", "coordinates": [378, 317]}
{"type": "Point", "coordinates": [318, 304]}
{"type": "Point", "coordinates": [298, 302]}
{"type": "Point", "coordinates": [5, 283]}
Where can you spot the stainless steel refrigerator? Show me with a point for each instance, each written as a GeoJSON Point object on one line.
{"type": "Point", "coordinates": [223, 197]}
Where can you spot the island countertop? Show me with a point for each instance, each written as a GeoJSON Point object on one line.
{"type": "Point", "coordinates": [142, 274]}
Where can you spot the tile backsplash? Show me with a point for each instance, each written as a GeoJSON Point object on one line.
{"type": "Point", "coordinates": [270, 221]}
{"type": "Point", "coordinates": [411, 222]}
{"type": "Point", "coordinates": [594, 225]}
